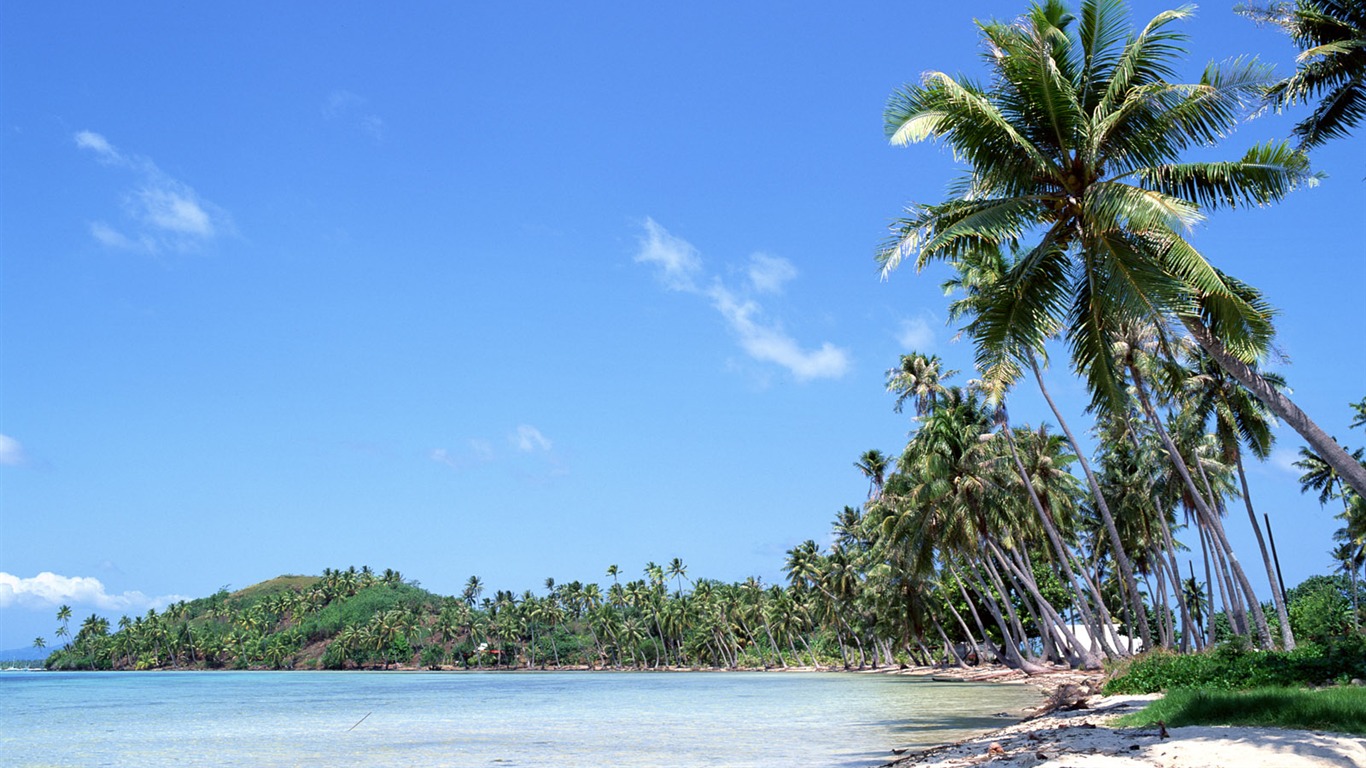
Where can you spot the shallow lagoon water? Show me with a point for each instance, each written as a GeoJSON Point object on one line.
{"type": "Point", "coordinates": [574, 719]}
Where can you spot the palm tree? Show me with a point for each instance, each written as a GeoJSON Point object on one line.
{"type": "Point", "coordinates": [474, 587]}
{"type": "Point", "coordinates": [920, 378]}
{"type": "Point", "coordinates": [873, 464]}
{"type": "Point", "coordinates": [678, 571]}
{"type": "Point", "coordinates": [1077, 142]}
{"type": "Point", "coordinates": [1331, 35]}
{"type": "Point", "coordinates": [64, 616]}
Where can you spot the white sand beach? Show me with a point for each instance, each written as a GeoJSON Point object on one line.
{"type": "Point", "coordinates": [1087, 738]}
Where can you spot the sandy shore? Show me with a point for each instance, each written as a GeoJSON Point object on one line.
{"type": "Point", "coordinates": [1087, 738]}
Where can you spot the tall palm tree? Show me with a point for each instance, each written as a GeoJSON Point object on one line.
{"type": "Point", "coordinates": [1076, 146]}
{"type": "Point", "coordinates": [1331, 68]}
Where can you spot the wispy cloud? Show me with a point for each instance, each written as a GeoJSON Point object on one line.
{"type": "Point", "coordinates": [916, 335]}
{"type": "Point", "coordinates": [350, 108]}
{"type": "Point", "coordinates": [679, 267]}
{"type": "Point", "coordinates": [769, 343]}
{"type": "Point", "coordinates": [160, 213]}
{"type": "Point", "coordinates": [529, 439]}
{"type": "Point", "coordinates": [48, 589]}
{"type": "Point", "coordinates": [676, 262]}
{"type": "Point", "coordinates": [524, 439]}
{"type": "Point", "coordinates": [11, 452]}
{"type": "Point", "coordinates": [768, 274]}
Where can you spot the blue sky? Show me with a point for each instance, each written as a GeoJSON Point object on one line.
{"type": "Point", "coordinates": [514, 290]}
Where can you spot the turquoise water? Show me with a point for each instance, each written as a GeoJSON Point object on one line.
{"type": "Point", "coordinates": [493, 719]}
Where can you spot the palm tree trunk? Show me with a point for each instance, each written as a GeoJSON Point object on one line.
{"type": "Point", "coordinates": [1326, 447]}
{"type": "Point", "coordinates": [1277, 597]}
{"type": "Point", "coordinates": [1011, 647]}
{"type": "Point", "coordinates": [1202, 507]}
{"type": "Point", "coordinates": [1064, 555]}
{"type": "Point", "coordinates": [1174, 568]}
{"type": "Point", "coordinates": [1126, 568]}
{"type": "Point", "coordinates": [948, 646]}
{"type": "Point", "coordinates": [1052, 622]}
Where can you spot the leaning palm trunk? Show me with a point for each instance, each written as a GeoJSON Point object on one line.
{"type": "Point", "coordinates": [1174, 568]}
{"type": "Point", "coordinates": [1064, 555]}
{"type": "Point", "coordinates": [1202, 507]}
{"type": "Point", "coordinates": [1277, 597]}
{"type": "Point", "coordinates": [963, 625]}
{"type": "Point", "coordinates": [949, 649]}
{"type": "Point", "coordinates": [1326, 447]}
{"type": "Point", "coordinates": [1126, 568]}
{"type": "Point", "coordinates": [1053, 623]}
{"type": "Point", "coordinates": [1010, 646]}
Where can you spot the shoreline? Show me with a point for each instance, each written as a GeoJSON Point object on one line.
{"type": "Point", "coordinates": [1086, 737]}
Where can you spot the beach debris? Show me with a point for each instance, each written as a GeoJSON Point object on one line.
{"type": "Point", "coordinates": [358, 722]}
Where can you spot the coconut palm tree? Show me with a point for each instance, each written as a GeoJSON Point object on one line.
{"type": "Point", "coordinates": [874, 465]}
{"type": "Point", "coordinates": [1331, 68]}
{"type": "Point", "coordinates": [1076, 146]}
{"type": "Point", "coordinates": [919, 378]}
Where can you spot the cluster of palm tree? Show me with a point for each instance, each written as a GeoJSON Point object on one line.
{"type": "Point", "coordinates": [355, 618]}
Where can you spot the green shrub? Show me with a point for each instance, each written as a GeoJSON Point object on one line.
{"type": "Point", "coordinates": [1232, 667]}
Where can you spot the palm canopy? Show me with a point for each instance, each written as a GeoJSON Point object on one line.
{"type": "Point", "coordinates": [1074, 146]}
{"type": "Point", "coordinates": [1331, 67]}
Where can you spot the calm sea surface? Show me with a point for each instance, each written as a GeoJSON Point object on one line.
{"type": "Point", "coordinates": [594, 719]}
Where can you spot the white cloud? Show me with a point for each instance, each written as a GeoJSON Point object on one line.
{"type": "Point", "coordinates": [679, 267]}
{"type": "Point", "coordinates": [769, 343]}
{"type": "Point", "coordinates": [11, 452]}
{"type": "Point", "coordinates": [676, 260]}
{"type": "Point", "coordinates": [916, 335]}
{"type": "Point", "coordinates": [111, 237]}
{"type": "Point", "coordinates": [163, 213]}
{"type": "Point", "coordinates": [529, 439]}
{"type": "Point", "coordinates": [48, 589]}
{"type": "Point", "coordinates": [768, 274]}
{"type": "Point", "coordinates": [99, 145]}
{"type": "Point", "coordinates": [172, 206]}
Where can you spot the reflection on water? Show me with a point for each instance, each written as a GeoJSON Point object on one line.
{"type": "Point", "coordinates": [489, 719]}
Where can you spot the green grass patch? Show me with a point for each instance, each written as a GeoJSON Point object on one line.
{"type": "Point", "coordinates": [1341, 709]}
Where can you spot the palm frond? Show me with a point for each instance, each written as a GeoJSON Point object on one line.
{"type": "Point", "coordinates": [1265, 174]}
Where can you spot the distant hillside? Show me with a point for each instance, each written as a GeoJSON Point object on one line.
{"type": "Point", "coordinates": [23, 654]}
